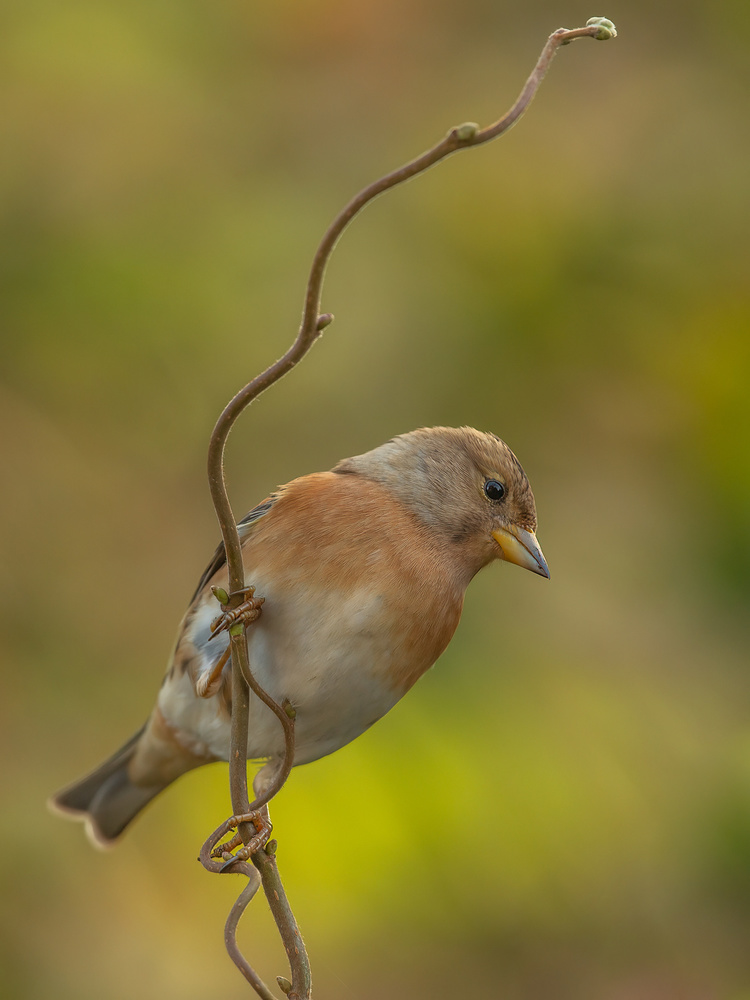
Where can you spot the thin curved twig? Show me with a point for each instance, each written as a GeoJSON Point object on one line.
{"type": "Point", "coordinates": [313, 323]}
{"type": "Point", "coordinates": [230, 936]}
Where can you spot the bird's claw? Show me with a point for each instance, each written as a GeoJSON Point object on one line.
{"type": "Point", "coordinates": [227, 847]}
{"type": "Point", "coordinates": [246, 611]}
{"type": "Point", "coordinates": [263, 829]}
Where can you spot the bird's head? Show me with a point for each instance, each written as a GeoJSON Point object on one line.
{"type": "Point", "coordinates": [467, 487]}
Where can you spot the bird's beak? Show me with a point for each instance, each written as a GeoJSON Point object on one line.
{"type": "Point", "coordinates": [521, 547]}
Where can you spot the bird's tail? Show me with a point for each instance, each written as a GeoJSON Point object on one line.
{"type": "Point", "coordinates": [107, 800]}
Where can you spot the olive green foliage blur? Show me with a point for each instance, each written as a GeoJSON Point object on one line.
{"type": "Point", "coordinates": [561, 808]}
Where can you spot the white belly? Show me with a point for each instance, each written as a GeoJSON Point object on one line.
{"type": "Point", "coordinates": [333, 662]}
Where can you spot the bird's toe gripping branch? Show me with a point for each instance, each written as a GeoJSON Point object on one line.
{"type": "Point", "coordinates": [238, 608]}
{"type": "Point", "coordinates": [262, 823]}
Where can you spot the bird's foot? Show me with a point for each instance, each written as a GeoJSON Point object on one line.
{"type": "Point", "coordinates": [241, 606]}
{"type": "Point", "coordinates": [263, 828]}
{"type": "Point", "coordinates": [209, 681]}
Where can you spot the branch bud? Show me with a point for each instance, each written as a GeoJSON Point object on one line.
{"type": "Point", "coordinates": [271, 847]}
{"type": "Point", "coordinates": [606, 30]}
{"type": "Point", "coordinates": [323, 321]}
{"type": "Point", "coordinates": [284, 985]}
{"type": "Point", "coordinates": [220, 594]}
{"type": "Point", "coordinates": [466, 131]}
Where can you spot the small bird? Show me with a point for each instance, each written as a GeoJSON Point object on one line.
{"type": "Point", "coordinates": [363, 571]}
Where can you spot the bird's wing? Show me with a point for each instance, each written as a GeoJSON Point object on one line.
{"type": "Point", "coordinates": [244, 526]}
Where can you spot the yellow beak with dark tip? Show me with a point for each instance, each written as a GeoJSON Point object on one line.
{"type": "Point", "coordinates": [521, 547]}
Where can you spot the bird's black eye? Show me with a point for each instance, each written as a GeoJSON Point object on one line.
{"type": "Point", "coordinates": [494, 490]}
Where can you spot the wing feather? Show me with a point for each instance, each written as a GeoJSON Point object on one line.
{"type": "Point", "coordinates": [219, 556]}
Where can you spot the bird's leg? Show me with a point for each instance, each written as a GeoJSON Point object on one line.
{"type": "Point", "coordinates": [260, 819]}
{"type": "Point", "coordinates": [262, 823]}
{"type": "Point", "coordinates": [206, 684]}
{"type": "Point", "coordinates": [239, 606]}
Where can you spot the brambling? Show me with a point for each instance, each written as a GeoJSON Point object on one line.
{"type": "Point", "coordinates": [363, 570]}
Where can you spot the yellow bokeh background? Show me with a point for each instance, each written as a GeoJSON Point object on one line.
{"type": "Point", "coordinates": [561, 808]}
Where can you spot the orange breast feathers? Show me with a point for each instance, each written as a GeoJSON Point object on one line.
{"type": "Point", "coordinates": [330, 535]}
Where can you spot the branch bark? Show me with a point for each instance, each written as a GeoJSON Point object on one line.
{"type": "Point", "coordinates": [265, 871]}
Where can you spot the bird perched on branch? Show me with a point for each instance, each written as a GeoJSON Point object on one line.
{"type": "Point", "coordinates": [363, 571]}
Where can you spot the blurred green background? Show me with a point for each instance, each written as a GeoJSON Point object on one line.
{"type": "Point", "coordinates": [562, 807]}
